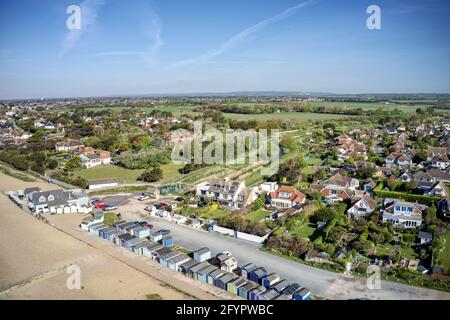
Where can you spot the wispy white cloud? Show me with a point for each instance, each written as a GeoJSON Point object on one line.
{"type": "Point", "coordinates": [89, 11]}
{"type": "Point", "coordinates": [119, 53]}
{"type": "Point", "coordinates": [153, 32]}
{"type": "Point", "coordinates": [241, 36]}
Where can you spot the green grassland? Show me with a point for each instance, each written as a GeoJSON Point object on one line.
{"type": "Point", "coordinates": [170, 172]}
{"type": "Point", "coordinates": [297, 116]}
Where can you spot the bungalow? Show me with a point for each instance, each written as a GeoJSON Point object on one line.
{"type": "Point", "coordinates": [186, 267]}
{"type": "Point", "coordinates": [257, 274]}
{"type": "Point", "coordinates": [406, 176]}
{"type": "Point", "coordinates": [269, 294]}
{"type": "Point", "coordinates": [249, 267]}
{"type": "Point", "coordinates": [270, 279]}
{"type": "Point", "coordinates": [402, 213]}
{"type": "Point", "coordinates": [438, 189]}
{"type": "Point", "coordinates": [286, 197]}
{"type": "Point", "coordinates": [440, 162]}
{"type": "Point", "coordinates": [425, 237]}
{"type": "Point", "coordinates": [103, 183]}
{"type": "Point", "coordinates": [244, 290]}
{"type": "Point", "coordinates": [69, 145]}
{"type": "Point", "coordinates": [235, 284]}
{"type": "Point", "coordinates": [302, 294]}
{"type": "Point", "coordinates": [202, 254]}
{"type": "Point", "coordinates": [433, 152]}
{"type": "Point", "coordinates": [433, 175]}
{"type": "Point", "coordinates": [175, 262]}
{"type": "Point", "coordinates": [443, 208]}
{"type": "Point", "coordinates": [363, 207]}
{"type": "Point", "coordinates": [223, 281]}
{"type": "Point", "coordinates": [256, 292]}
{"type": "Point", "coordinates": [95, 157]}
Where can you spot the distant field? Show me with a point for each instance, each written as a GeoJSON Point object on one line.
{"type": "Point", "coordinates": [299, 116]}
{"type": "Point", "coordinates": [176, 110]}
{"type": "Point", "coordinates": [170, 171]}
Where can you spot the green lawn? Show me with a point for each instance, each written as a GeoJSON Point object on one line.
{"type": "Point", "coordinates": [300, 227]}
{"type": "Point", "coordinates": [443, 257]}
{"type": "Point", "coordinates": [257, 216]}
{"type": "Point", "coordinates": [209, 213]}
{"type": "Point", "coordinates": [170, 171]}
{"type": "Point", "coordinates": [299, 116]}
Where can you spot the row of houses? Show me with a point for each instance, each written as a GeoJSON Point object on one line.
{"type": "Point", "coordinates": [250, 282]}
{"type": "Point", "coordinates": [89, 156]}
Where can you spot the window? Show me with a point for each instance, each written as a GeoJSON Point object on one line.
{"type": "Point", "coordinates": [41, 199]}
{"type": "Point", "coordinates": [51, 198]}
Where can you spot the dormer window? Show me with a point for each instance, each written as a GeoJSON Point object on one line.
{"type": "Point", "coordinates": [41, 199]}
{"type": "Point", "coordinates": [51, 198]}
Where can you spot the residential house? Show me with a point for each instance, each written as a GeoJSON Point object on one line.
{"type": "Point", "coordinates": [397, 159]}
{"type": "Point", "coordinates": [228, 193]}
{"type": "Point", "coordinates": [95, 157]}
{"type": "Point", "coordinates": [59, 201]}
{"type": "Point", "coordinates": [443, 208]}
{"type": "Point", "coordinates": [425, 237]}
{"type": "Point", "coordinates": [363, 207]}
{"type": "Point", "coordinates": [286, 197]}
{"type": "Point", "coordinates": [440, 162]}
{"type": "Point", "coordinates": [433, 175]}
{"type": "Point", "coordinates": [402, 213]}
{"type": "Point", "coordinates": [437, 189]}
{"type": "Point", "coordinates": [338, 187]}
{"type": "Point", "coordinates": [69, 145]}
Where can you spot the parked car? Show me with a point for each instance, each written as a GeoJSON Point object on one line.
{"type": "Point", "coordinates": [143, 197]}
{"type": "Point", "coordinates": [100, 205]}
{"type": "Point", "coordinates": [164, 232]}
{"type": "Point", "coordinates": [179, 199]}
{"type": "Point", "coordinates": [95, 200]}
{"type": "Point", "coordinates": [148, 208]}
{"type": "Point", "coordinates": [109, 207]}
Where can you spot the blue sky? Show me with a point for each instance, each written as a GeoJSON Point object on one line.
{"type": "Point", "coordinates": [179, 46]}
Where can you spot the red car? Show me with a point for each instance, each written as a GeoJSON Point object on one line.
{"type": "Point", "coordinates": [100, 205]}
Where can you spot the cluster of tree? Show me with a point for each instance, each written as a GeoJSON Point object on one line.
{"type": "Point", "coordinates": [152, 174]}
{"type": "Point", "coordinates": [290, 170]}
{"type": "Point", "coordinates": [142, 159]}
{"type": "Point", "coordinates": [241, 224]}
{"type": "Point", "coordinates": [35, 161]}
{"type": "Point", "coordinates": [289, 245]}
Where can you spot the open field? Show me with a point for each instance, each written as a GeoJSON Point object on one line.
{"type": "Point", "coordinates": [176, 110]}
{"type": "Point", "coordinates": [298, 116]}
{"type": "Point", "coordinates": [123, 175]}
{"type": "Point", "coordinates": [444, 255]}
